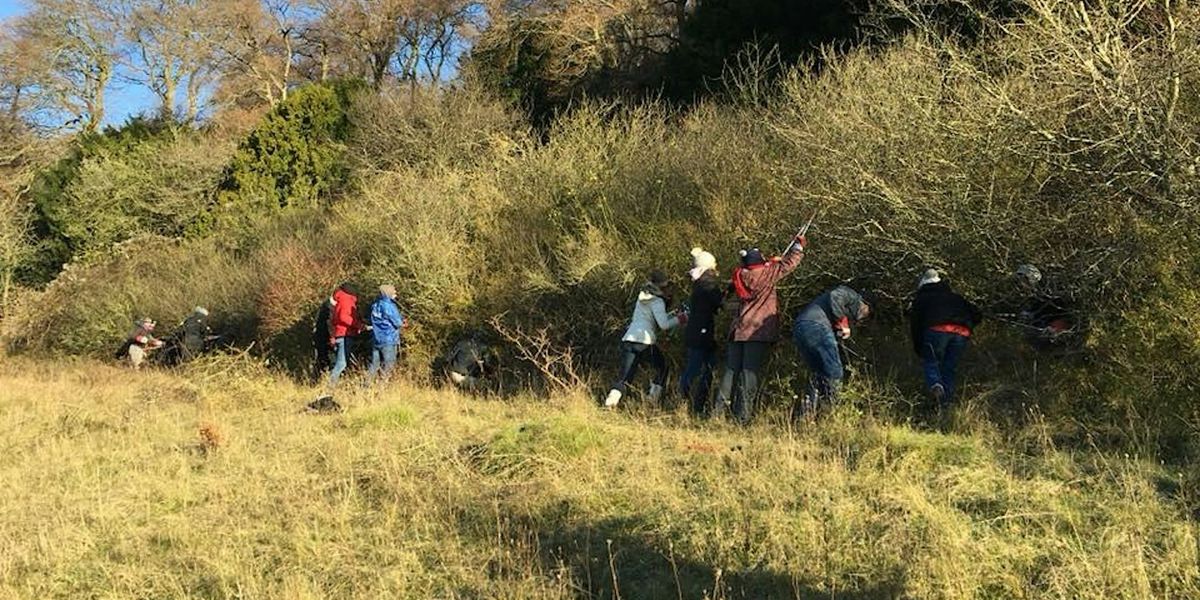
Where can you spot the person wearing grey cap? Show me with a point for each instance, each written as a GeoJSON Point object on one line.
{"type": "Point", "coordinates": [386, 323]}
{"type": "Point", "coordinates": [195, 333]}
{"type": "Point", "coordinates": [942, 323]}
{"type": "Point", "coordinates": [815, 332]}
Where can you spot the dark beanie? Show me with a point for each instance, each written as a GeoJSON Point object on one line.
{"type": "Point", "coordinates": [751, 257]}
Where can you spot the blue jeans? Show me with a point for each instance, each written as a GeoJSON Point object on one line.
{"type": "Point", "coordinates": [940, 354]}
{"type": "Point", "coordinates": [819, 349]}
{"type": "Point", "coordinates": [699, 371]}
{"type": "Point", "coordinates": [341, 353]}
{"type": "Point", "coordinates": [387, 354]}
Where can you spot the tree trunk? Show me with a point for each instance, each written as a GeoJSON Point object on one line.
{"type": "Point", "coordinates": [167, 101]}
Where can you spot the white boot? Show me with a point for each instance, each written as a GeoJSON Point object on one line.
{"type": "Point", "coordinates": [656, 392]}
{"type": "Point", "coordinates": [614, 397]}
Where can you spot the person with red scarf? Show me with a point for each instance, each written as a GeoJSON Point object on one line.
{"type": "Point", "coordinates": [756, 326]}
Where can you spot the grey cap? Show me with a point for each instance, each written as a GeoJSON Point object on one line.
{"type": "Point", "coordinates": [1029, 273]}
{"type": "Point", "coordinates": [928, 277]}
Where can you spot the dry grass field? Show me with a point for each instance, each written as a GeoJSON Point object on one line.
{"type": "Point", "coordinates": [212, 483]}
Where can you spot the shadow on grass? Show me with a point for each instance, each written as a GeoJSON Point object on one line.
{"type": "Point", "coordinates": [615, 558]}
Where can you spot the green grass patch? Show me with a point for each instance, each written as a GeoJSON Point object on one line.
{"type": "Point", "coordinates": [392, 416]}
{"type": "Point", "coordinates": [559, 437]}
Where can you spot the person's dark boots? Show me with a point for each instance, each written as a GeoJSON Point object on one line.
{"type": "Point", "coordinates": [656, 393]}
{"type": "Point", "coordinates": [719, 408]}
{"type": "Point", "coordinates": [938, 393]}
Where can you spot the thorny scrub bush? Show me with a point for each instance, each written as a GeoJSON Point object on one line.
{"type": "Point", "coordinates": [1064, 140]}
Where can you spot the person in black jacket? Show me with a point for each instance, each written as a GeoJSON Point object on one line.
{"type": "Point", "coordinates": [1050, 321]}
{"type": "Point", "coordinates": [196, 333]}
{"type": "Point", "coordinates": [942, 323]}
{"type": "Point", "coordinates": [320, 339]}
{"type": "Point", "coordinates": [699, 335]}
{"type": "Point", "coordinates": [470, 362]}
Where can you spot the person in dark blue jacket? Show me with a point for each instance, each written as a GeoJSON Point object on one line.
{"type": "Point", "coordinates": [386, 323]}
{"type": "Point", "coordinates": [816, 332]}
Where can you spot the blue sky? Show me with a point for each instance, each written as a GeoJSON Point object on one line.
{"type": "Point", "coordinates": [124, 100]}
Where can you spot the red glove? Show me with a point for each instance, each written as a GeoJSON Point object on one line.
{"type": "Point", "coordinates": [842, 328]}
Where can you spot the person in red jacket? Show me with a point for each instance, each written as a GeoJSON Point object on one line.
{"type": "Point", "coordinates": [755, 326]}
{"type": "Point", "coordinates": [344, 324]}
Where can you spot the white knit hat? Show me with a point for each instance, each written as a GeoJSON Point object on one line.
{"type": "Point", "coordinates": [702, 262]}
{"type": "Point", "coordinates": [928, 277]}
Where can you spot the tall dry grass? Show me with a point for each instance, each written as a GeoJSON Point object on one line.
{"type": "Point", "coordinates": [212, 484]}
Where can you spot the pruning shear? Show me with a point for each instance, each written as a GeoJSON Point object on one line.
{"type": "Point", "coordinates": [803, 231]}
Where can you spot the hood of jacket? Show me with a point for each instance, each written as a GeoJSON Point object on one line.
{"type": "Point", "coordinates": [650, 292]}
{"type": "Point", "coordinates": [342, 297]}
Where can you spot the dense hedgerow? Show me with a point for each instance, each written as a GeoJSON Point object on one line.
{"type": "Point", "coordinates": [147, 177]}
{"type": "Point", "coordinates": [294, 159]}
{"type": "Point", "coordinates": [1038, 145]}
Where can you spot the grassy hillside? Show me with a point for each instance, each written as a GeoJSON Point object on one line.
{"type": "Point", "coordinates": [212, 484]}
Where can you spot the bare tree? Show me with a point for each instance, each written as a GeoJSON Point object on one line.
{"type": "Point", "coordinates": [175, 46]}
{"type": "Point", "coordinates": [260, 48]}
{"type": "Point", "coordinates": [74, 43]}
{"type": "Point", "coordinates": [409, 40]}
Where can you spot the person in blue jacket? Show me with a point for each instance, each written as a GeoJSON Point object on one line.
{"type": "Point", "coordinates": [386, 323]}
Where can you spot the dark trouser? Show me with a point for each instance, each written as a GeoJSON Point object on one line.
{"type": "Point", "coordinates": [819, 348]}
{"type": "Point", "coordinates": [632, 357]}
{"type": "Point", "coordinates": [743, 363]}
{"type": "Point", "coordinates": [697, 376]}
{"type": "Point", "coordinates": [940, 354]}
{"type": "Point", "coordinates": [321, 361]}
